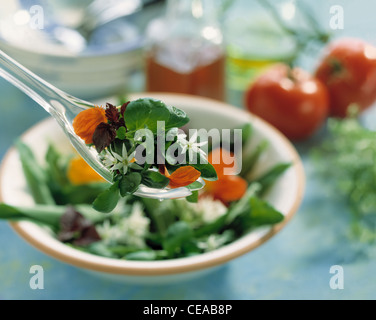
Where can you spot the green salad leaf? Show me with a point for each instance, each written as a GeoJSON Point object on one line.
{"type": "Point", "coordinates": [146, 112]}
{"type": "Point", "coordinates": [107, 200]}
{"type": "Point", "coordinates": [49, 215]}
{"type": "Point", "coordinates": [177, 234]}
{"type": "Point", "coordinates": [269, 178]}
{"type": "Point", "coordinates": [154, 179]}
{"type": "Point", "coordinates": [137, 228]}
{"type": "Point", "coordinates": [36, 177]}
{"type": "Point", "coordinates": [178, 118]}
{"type": "Point", "coordinates": [207, 171]}
{"type": "Point", "coordinates": [193, 198]}
{"type": "Point", "coordinates": [146, 255]}
{"type": "Point", "coordinates": [129, 183]}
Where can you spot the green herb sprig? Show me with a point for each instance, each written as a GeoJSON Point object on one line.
{"type": "Point", "coordinates": [347, 158]}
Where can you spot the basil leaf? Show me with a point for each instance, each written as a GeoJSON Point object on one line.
{"type": "Point", "coordinates": [253, 213]}
{"type": "Point", "coordinates": [162, 214]}
{"type": "Point", "coordinates": [195, 186]}
{"type": "Point", "coordinates": [107, 200]}
{"type": "Point", "coordinates": [207, 171]}
{"type": "Point", "coordinates": [178, 118]}
{"type": "Point", "coordinates": [121, 133]}
{"type": "Point", "coordinates": [136, 114]}
{"type": "Point", "coordinates": [77, 194]}
{"type": "Point", "coordinates": [212, 227]}
{"type": "Point", "coordinates": [193, 198]}
{"type": "Point", "coordinates": [242, 206]}
{"type": "Point", "coordinates": [129, 183]}
{"type": "Point", "coordinates": [262, 213]}
{"type": "Point", "coordinates": [177, 234]}
{"type": "Point", "coordinates": [268, 179]}
{"type": "Point", "coordinates": [135, 166]}
{"type": "Point", "coordinates": [154, 179]}
{"type": "Point", "coordinates": [158, 112]}
{"type": "Point", "coordinates": [190, 248]}
{"type": "Point", "coordinates": [146, 112]}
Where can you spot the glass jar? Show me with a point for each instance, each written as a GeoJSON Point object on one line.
{"type": "Point", "coordinates": [185, 51]}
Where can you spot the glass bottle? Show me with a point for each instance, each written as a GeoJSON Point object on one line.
{"type": "Point", "coordinates": [185, 51]}
{"type": "Point", "coordinates": [256, 41]}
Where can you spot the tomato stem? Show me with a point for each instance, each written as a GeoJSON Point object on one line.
{"type": "Point", "coordinates": [336, 66]}
{"type": "Point", "coordinates": [290, 74]}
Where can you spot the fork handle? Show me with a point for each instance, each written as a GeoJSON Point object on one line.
{"type": "Point", "coordinates": [42, 92]}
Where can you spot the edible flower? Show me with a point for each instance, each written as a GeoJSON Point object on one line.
{"type": "Point", "coordinates": [87, 121]}
{"type": "Point", "coordinates": [191, 146]}
{"type": "Point", "coordinates": [79, 172]}
{"type": "Point", "coordinates": [114, 161]}
{"type": "Point", "coordinates": [205, 211]}
{"type": "Point", "coordinates": [183, 177]}
{"type": "Point", "coordinates": [228, 187]}
{"type": "Point", "coordinates": [115, 131]}
{"type": "Point", "coordinates": [130, 230]}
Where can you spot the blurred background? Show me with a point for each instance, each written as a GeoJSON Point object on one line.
{"type": "Point", "coordinates": [98, 48]}
{"type": "Point", "coordinates": [94, 49]}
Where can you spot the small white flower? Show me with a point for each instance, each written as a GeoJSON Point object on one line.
{"type": "Point", "coordinates": [213, 242]}
{"type": "Point", "coordinates": [207, 210]}
{"type": "Point", "coordinates": [134, 228]}
{"type": "Point", "coordinates": [114, 161]}
{"type": "Point", "coordinates": [130, 231]}
{"type": "Point", "coordinates": [182, 139]}
{"type": "Point", "coordinates": [192, 146]}
{"type": "Point", "coordinates": [108, 233]}
{"type": "Point", "coordinates": [109, 160]}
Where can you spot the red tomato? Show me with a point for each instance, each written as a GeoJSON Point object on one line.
{"type": "Point", "coordinates": [290, 99]}
{"type": "Point", "coordinates": [349, 72]}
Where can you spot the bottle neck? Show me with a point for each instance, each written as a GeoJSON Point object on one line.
{"type": "Point", "coordinates": [191, 9]}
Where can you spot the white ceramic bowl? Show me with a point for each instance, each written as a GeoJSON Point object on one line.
{"type": "Point", "coordinates": [285, 195]}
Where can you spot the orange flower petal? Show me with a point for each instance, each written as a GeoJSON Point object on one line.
{"type": "Point", "coordinates": [217, 155]}
{"type": "Point", "coordinates": [183, 177]}
{"type": "Point", "coordinates": [228, 189]}
{"type": "Point", "coordinates": [87, 121]}
{"type": "Point", "coordinates": [79, 172]}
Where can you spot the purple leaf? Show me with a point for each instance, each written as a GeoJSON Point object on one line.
{"type": "Point", "coordinates": [103, 136]}
{"type": "Point", "coordinates": [112, 113]}
{"type": "Point", "coordinates": [124, 107]}
{"type": "Point", "coordinates": [76, 229]}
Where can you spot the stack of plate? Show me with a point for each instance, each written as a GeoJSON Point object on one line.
{"type": "Point", "coordinates": [103, 67]}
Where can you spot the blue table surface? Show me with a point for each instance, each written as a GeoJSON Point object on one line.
{"type": "Point", "coordinates": [295, 264]}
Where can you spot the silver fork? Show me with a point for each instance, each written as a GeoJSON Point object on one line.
{"type": "Point", "coordinates": [64, 108]}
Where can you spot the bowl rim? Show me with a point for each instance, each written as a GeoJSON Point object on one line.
{"type": "Point", "coordinates": [172, 266]}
